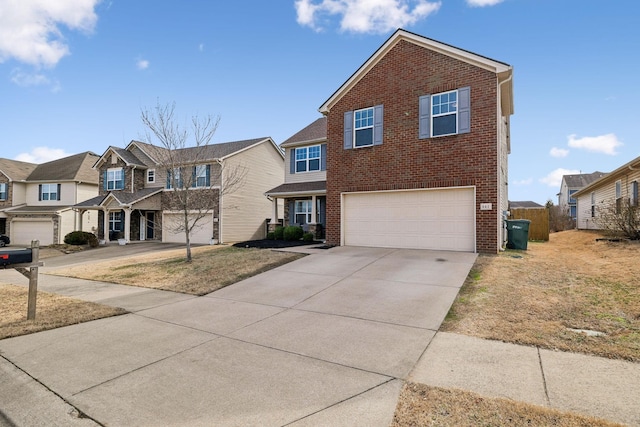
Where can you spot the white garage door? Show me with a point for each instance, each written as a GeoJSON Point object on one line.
{"type": "Point", "coordinates": [23, 232]}
{"type": "Point", "coordinates": [202, 234]}
{"type": "Point", "coordinates": [415, 219]}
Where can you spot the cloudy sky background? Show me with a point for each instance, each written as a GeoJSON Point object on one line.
{"type": "Point", "coordinates": [75, 74]}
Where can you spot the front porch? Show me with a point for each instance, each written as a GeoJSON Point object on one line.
{"type": "Point", "coordinates": [304, 205]}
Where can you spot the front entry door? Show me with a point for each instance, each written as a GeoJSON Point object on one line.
{"type": "Point", "coordinates": [151, 220]}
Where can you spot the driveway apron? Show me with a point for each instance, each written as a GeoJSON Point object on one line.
{"type": "Point", "coordinates": [324, 340]}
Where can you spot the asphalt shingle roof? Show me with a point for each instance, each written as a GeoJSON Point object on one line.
{"type": "Point", "coordinates": [583, 179]}
{"type": "Point", "coordinates": [204, 153]}
{"type": "Point", "coordinates": [299, 187]}
{"type": "Point", "coordinates": [524, 204]}
{"type": "Point", "coordinates": [73, 168]}
{"type": "Point", "coordinates": [315, 131]}
{"type": "Point", "coordinates": [16, 170]}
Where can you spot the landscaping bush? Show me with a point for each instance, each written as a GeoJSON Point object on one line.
{"type": "Point", "coordinates": [307, 237]}
{"type": "Point", "coordinates": [81, 238]}
{"type": "Point", "coordinates": [293, 232]}
{"type": "Point", "coordinates": [279, 233]}
{"type": "Point", "coordinates": [271, 235]}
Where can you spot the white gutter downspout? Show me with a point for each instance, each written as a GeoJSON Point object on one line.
{"type": "Point", "coordinates": [501, 228]}
{"type": "Point", "coordinates": [220, 162]}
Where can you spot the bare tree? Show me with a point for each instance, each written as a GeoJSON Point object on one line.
{"type": "Point", "coordinates": [184, 153]}
{"type": "Point", "coordinates": [559, 219]}
{"type": "Point", "coordinates": [619, 218]}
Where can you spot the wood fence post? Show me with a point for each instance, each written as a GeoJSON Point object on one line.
{"type": "Point", "coordinates": [33, 280]}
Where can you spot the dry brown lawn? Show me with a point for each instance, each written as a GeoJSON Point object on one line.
{"type": "Point", "coordinates": [536, 297]}
{"type": "Point", "coordinates": [212, 268]}
{"type": "Point", "coordinates": [423, 406]}
{"type": "Point", "coordinates": [52, 311]}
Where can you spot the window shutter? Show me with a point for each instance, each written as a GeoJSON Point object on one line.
{"type": "Point", "coordinates": [59, 187]}
{"type": "Point", "coordinates": [464, 110]}
{"type": "Point", "coordinates": [168, 179]}
{"type": "Point", "coordinates": [323, 157]}
{"type": "Point", "coordinates": [208, 178]}
{"type": "Point", "coordinates": [348, 130]}
{"type": "Point", "coordinates": [292, 213]}
{"type": "Point", "coordinates": [424, 114]}
{"type": "Point", "coordinates": [377, 124]}
{"type": "Point", "coordinates": [194, 176]}
{"type": "Point", "coordinates": [104, 181]}
{"type": "Point", "coordinates": [39, 192]}
{"type": "Point", "coordinates": [292, 161]}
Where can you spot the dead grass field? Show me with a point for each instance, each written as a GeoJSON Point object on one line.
{"type": "Point", "coordinates": [536, 297]}
{"type": "Point", "coordinates": [212, 268]}
{"type": "Point", "coordinates": [52, 311]}
{"type": "Point", "coordinates": [422, 406]}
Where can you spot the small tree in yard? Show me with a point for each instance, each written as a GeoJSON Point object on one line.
{"type": "Point", "coordinates": [619, 219]}
{"type": "Point", "coordinates": [558, 219]}
{"type": "Point", "coordinates": [183, 155]}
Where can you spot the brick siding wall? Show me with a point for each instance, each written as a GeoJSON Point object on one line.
{"type": "Point", "coordinates": [404, 161]}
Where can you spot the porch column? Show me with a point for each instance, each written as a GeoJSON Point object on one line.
{"type": "Point", "coordinates": [105, 224]}
{"type": "Point", "coordinates": [79, 214]}
{"type": "Point", "coordinates": [274, 213]}
{"type": "Point", "coordinates": [127, 224]}
{"type": "Point", "coordinates": [314, 210]}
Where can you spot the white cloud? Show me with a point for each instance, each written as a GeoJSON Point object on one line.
{"type": "Point", "coordinates": [42, 155]}
{"type": "Point", "coordinates": [554, 178]}
{"type": "Point", "coordinates": [364, 16]}
{"type": "Point", "coordinates": [201, 47]}
{"type": "Point", "coordinates": [559, 152]}
{"type": "Point", "coordinates": [482, 3]}
{"type": "Point", "coordinates": [28, 79]}
{"type": "Point", "coordinates": [30, 29]}
{"type": "Point", "coordinates": [142, 64]}
{"type": "Point", "coordinates": [605, 144]}
{"type": "Point", "coordinates": [527, 181]}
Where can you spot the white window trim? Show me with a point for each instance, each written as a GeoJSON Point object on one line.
{"type": "Point", "coordinates": [114, 170]}
{"type": "Point", "coordinates": [307, 159]}
{"type": "Point", "coordinates": [6, 190]}
{"type": "Point", "coordinates": [113, 220]}
{"type": "Point", "coordinates": [307, 213]}
{"type": "Point", "coordinates": [433, 116]}
{"type": "Point", "coordinates": [151, 176]}
{"type": "Point", "coordinates": [372, 127]}
{"type": "Point", "coordinates": [49, 193]}
{"type": "Point", "coordinates": [203, 169]}
{"type": "Point", "coordinates": [593, 204]}
{"type": "Point", "coordinates": [618, 189]}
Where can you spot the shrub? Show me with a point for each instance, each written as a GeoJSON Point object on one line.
{"type": "Point", "coordinates": [278, 234]}
{"type": "Point", "coordinates": [307, 237]}
{"type": "Point", "coordinates": [293, 232]}
{"type": "Point", "coordinates": [271, 235]}
{"type": "Point", "coordinates": [81, 238]}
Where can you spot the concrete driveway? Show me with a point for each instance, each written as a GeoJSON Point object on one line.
{"type": "Point", "coordinates": [324, 340]}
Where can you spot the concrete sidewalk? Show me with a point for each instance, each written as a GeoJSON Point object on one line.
{"type": "Point", "coordinates": [595, 386]}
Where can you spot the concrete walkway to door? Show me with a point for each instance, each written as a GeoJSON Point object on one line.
{"type": "Point", "coordinates": [324, 340]}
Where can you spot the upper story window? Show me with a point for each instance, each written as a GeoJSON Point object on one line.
{"type": "Point", "coordinates": [201, 176]}
{"type": "Point", "coordinates": [308, 159]}
{"type": "Point", "coordinates": [571, 199]}
{"type": "Point", "coordinates": [174, 178]}
{"type": "Point", "coordinates": [49, 192]}
{"type": "Point", "coordinates": [114, 179]}
{"type": "Point", "coordinates": [3, 191]}
{"type": "Point", "coordinates": [445, 113]}
{"type": "Point", "coordinates": [151, 176]}
{"type": "Point", "coordinates": [363, 128]}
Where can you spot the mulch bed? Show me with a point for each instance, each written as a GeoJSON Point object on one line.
{"type": "Point", "coordinates": [276, 244]}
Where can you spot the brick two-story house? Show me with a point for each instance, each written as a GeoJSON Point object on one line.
{"type": "Point", "coordinates": [417, 145]}
{"type": "Point", "coordinates": [137, 199]}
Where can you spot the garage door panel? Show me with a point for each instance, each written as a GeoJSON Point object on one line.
{"type": "Point", "coordinates": [201, 234]}
{"type": "Point", "coordinates": [421, 219]}
{"type": "Point", "coordinates": [23, 232]}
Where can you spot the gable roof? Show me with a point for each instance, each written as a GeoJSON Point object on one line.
{"type": "Point", "coordinates": [524, 204]}
{"type": "Point", "coordinates": [72, 168]}
{"type": "Point", "coordinates": [315, 132]}
{"type": "Point", "coordinates": [503, 70]}
{"type": "Point", "coordinates": [633, 165]}
{"type": "Point", "coordinates": [582, 179]}
{"type": "Point", "coordinates": [16, 170]}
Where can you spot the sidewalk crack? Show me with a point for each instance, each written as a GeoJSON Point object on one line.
{"type": "Point", "coordinates": [544, 379]}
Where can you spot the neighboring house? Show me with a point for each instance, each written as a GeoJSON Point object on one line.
{"type": "Point", "coordinates": [570, 185]}
{"type": "Point", "coordinates": [135, 200]}
{"type": "Point", "coordinates": [417, 146]}
{"type": "Point", "coordinates": [612, 192]}
{"type": "Point", "coordinates": [525, 204]}
{"type": "Point", "coordinates": [305, 187]}
{"type": "Point", "coordinates": [38, 199]}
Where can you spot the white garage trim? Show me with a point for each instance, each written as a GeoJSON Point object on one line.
{"type": "Point", "coordinates": [23, 231]}
{"type": "Point", "coordinates": [201, 234]}
{"type": "Point", "coordinates": [439, 218]}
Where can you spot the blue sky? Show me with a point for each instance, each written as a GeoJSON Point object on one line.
{"type": "Point", "coordinates": [75, 74]}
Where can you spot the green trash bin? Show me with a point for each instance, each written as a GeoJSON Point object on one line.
{"type": "Point", "coordinates": [517, 233]}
